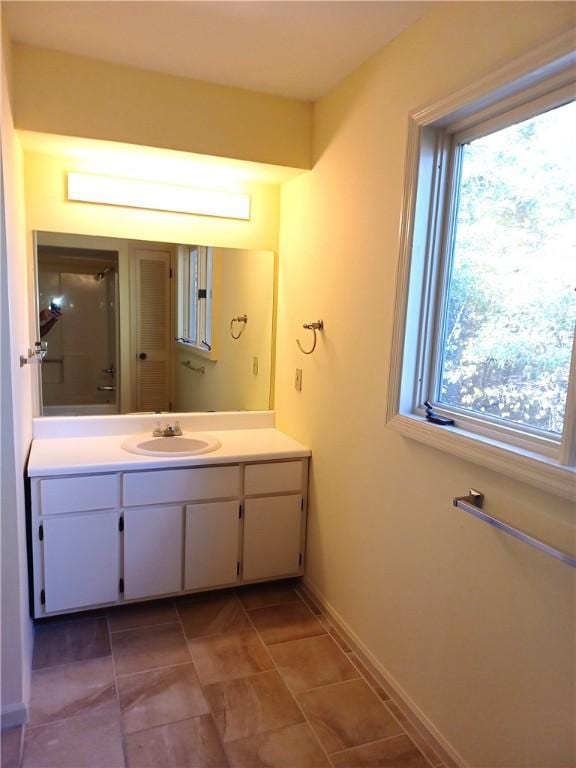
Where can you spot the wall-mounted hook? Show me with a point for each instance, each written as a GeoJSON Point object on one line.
{"type": "Point", "coordinates": [38, 353]}
{"type": "Point", "coordinates": [317, 326]}
{"type": "Point", "coordinates": [240, 319]}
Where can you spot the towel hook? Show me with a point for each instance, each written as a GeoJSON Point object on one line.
{"type": "Point", "coordinates": [317, 326]}
{"type": "Point", "coordinates": [240, 319]}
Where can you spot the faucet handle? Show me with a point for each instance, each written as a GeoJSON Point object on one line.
{"type": "Point", "coordinates": [157, 432]}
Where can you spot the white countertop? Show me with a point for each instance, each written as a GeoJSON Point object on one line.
{"type": "Point", "coordinates": [78, 455]}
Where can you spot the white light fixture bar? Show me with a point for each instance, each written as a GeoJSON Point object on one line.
{"type": "Point", "coordinates": [133, 193]}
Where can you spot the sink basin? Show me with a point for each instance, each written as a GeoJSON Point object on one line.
{"type": "Point", "coordinates": [185, 445]}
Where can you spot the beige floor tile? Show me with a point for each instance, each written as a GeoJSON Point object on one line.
{"type": "Point", "coordinates": [370, 679]}
{"type": "Point", "coordinates": [314, 607]}
{"type": "Point", "coordinates": [336, 635]}
{"type": "Point", "coordinates": [263, 595]}
{"type": "Point", "coordinates": [138, 650]}
{"type": "Point", "coordinates": [226, 657]}
{"type": "Point", "coordinates": [251, 705]}
{"type": "Point", "coordinates": [72, 689]}
{"type": "Point", "coordinates": [11, 747]}
{"type": "Point", "coordinates": [88, 741]}
{"type": "Point", "coordinates": [347, 714]}
{"type": "Point", "coordinates": [312, 662]}
{"type": "Point", "coordinates": [422, 743]}
{"type": "Point", "coordinates": [291, 747]}
{"type": "Point", "coordinates": [68, 641]}
{"type": "Point", "coordinates": [212, 616]}
{"type": "Point", "coordinates": [339, 640]}
{"type": "Point", "coordinates": [139, 615]}
{"type": "Point", "coordinates": [162, 696]}
{"type": "Point", "coordinates": [290, 621]}
{"type": "Point", "coordinates": [397, 752]}
{"type": "Point", "coordinates": [187, 744]}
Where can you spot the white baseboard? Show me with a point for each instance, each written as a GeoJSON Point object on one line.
{"type": "Point", "coordinates": [418, 719]}
{"type": "Point", "coordinates": [13, 714]}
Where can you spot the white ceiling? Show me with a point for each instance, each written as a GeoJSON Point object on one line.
{"type": "Point", "coordinates": [297, 49]}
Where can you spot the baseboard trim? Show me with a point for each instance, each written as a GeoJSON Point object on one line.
{"type": "Point", "coordinates": [421, 724]}
{"type": "Point", "coordinates": [13, 715]}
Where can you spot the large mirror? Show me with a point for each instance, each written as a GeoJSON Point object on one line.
{"type": "Point", "coordinates": [133, 326]}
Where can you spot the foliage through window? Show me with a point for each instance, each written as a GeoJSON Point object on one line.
{"type": "Point", "coordinates": [510, 311]}
{"type": "Point", "coordinates": [486, 295]}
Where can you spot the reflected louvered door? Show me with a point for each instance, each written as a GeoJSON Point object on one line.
{"type": "Point", "coordinates": [152, 342]}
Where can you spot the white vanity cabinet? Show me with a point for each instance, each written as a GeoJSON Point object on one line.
{"type": "Point", "coordinates": [152, 551]}
{"type": "Point", "coordinates": [212, 553]}
{"type": "Point", "coordinates": [81, 558]}
{"type": "Point", "coordinates": [273, 545]}
{"type": "Point", "coordinates": [274, 528]}
{"type": "Point", "coordinates": [105, 539]}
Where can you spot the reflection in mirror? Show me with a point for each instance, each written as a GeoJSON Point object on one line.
{"type": "Point", "coordinates": [136, 326]}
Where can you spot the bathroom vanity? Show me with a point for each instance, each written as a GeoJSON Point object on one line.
{"type": "Point", "coordinates": [107, 526]}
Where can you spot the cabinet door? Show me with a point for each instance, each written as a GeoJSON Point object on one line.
{"type": "Point", "coordinates": [212, 536]}
{"type": "Point", "coordinates": [152, 551]}
{"type": "Point", "coordinates": [272, 537]}
{"type": "Point", "coordinates": [81, 560]}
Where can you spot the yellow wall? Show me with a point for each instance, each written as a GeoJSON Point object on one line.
{"type": "Point", "coordinates": [48, 209]}
{"type": "Point", "coordinates": [243, 284]}
{"type": "Point", "coordinates": [75, 96]}
{"type": "Point", "coordinates": [476, 629]}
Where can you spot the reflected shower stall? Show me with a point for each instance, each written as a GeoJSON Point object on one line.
{"type": "Point", "coordinates": [78, 318]}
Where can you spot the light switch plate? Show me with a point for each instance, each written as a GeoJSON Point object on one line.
{"type": "Point", "coordinates": [298, 380]}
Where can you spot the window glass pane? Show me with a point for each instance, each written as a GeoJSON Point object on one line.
{"type": "Point", "coordinates": [193, 297]}
{"type": "Point", "coordinates": [511, 302]}
{"type": "Point", "coordinates": [209, 293]}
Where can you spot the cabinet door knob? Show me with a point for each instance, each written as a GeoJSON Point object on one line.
{"type": "Point", "coordinates": [142, 355]}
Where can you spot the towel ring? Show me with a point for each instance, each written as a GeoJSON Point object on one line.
{"type": "Point", "coordinates": [317, 326]}
{"type": "Point", "coordinates": [240, 319]}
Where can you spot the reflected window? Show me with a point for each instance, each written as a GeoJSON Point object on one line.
{"type": "Point", "coordinates": [195, 295]}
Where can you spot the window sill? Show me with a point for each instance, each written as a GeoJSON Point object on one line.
{"type": "Point", "coordinates": [541, 471]}
{"type": "Point", "coordinates": [192, 349]}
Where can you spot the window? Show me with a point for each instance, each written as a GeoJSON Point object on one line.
{"type": "Point", "coordinates": [195, 294]}
{"type": "Point", "coordinates": [487, 284]}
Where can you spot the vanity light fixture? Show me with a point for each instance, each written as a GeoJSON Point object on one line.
{"type": "Point", "coordinates": [134, 193]}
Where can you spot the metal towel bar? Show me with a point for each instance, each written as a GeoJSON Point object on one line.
{"type": "Point", "coordinates": [196, 369]}
{"type": "Point", "coordinates": [473, 503]}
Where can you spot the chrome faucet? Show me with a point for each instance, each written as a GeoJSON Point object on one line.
{"type": "Point", "coordinates": [168, 430]}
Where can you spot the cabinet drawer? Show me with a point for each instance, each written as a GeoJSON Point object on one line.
{"type": "Point", "coordinates": [276, 477]}
{"type": "Point", "coordinates": [172, 485]}
{"type": "Point", "coordinates": [79, 494]}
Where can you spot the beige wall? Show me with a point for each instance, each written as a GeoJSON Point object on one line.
{"type": "Point", "coordinates": [76, 96]}
{"type": "Point", "coordinates": [243, 284]}
{"type": "Point", "coordinates": [477, 630]}
{"type": "Point", "coordinates": [16, 420]}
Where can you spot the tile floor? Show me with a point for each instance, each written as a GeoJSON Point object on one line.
{"type": "Point", "coordinates": [247, 678]}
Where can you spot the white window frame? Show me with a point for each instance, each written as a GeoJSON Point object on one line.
{"type": "Point", "coordinates": [195, 272]}
{"type": "Point", "coordinates": [530, 85]}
